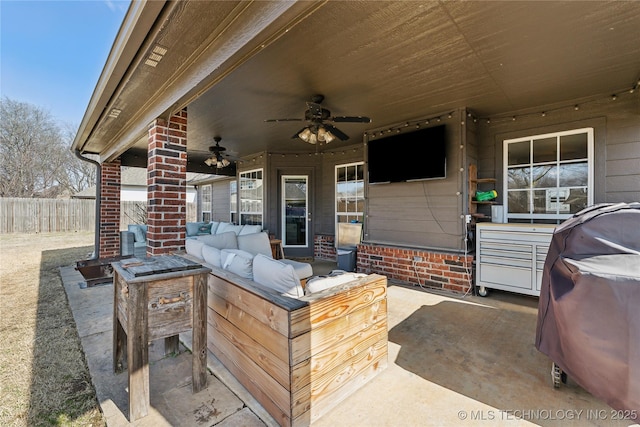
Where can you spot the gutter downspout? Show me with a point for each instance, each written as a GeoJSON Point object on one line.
{"type": "Point", "coordinates": [96, 243]}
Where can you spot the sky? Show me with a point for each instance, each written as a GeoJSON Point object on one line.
{"type": "Point", "coordinates": [52, 52]}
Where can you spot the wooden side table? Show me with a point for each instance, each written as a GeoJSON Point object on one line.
{"type": "Point", "coordinates": [276, 248]}
{"type": "Point", "coordinates": [153, 298]}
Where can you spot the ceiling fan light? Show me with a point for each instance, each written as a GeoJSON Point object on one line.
{"type": "Point", "coordinates": [224, 163]}
{"type": "Point", "coordinates": [322, 133]}
{"type": "Point", "coordinates": [328, 137]}
{"type": "Point", "coordinates": [210, 161]}
{"type": "Point", "coordinates": [306, 135]}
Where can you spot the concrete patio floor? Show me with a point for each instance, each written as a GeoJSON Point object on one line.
{"type": "Point", "coordinates": [453, 361]}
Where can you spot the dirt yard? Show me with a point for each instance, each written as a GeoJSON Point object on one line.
{"type": "Point", "coordinates": [44, 379]}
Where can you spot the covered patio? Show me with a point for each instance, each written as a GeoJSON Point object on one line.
{"type": "Point", "coordinates": [182, 74]}
{"type": "Point", "coordinates": [452, 361]}
{"type": "Point", "coordinates": [267, 80]}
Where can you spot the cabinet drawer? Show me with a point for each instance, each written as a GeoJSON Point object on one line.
{"type": "Point", "coordinates": [508, 251]}
{"type": "Point", "coordinates": [541, 256]}
{"type": "Point", "coordinates": [505, 275]}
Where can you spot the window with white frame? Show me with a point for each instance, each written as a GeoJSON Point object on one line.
{"type": "Point", "coordinates": [251, 196]}
{"type": "Point", "coordinates": [548, 177]}
{"type": "Point", "coordinates": [205, 204]}
{"type": "Point", "coordinates": [233, 201]}
{"type": "Point", "coordinates": [350, 192]}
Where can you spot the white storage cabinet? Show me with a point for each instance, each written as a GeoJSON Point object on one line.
{"type": "Point", "coordinates": [511, 257]}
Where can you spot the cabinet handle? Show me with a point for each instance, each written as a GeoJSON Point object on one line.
{"type": "Point", "coordinates": [164, 300]}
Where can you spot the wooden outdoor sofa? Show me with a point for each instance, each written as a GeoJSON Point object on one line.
{"type": "Point", "coordinates": [298, 357]}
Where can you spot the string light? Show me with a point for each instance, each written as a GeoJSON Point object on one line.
{"type": "Point", "coordinates": [544, 113]}
{"type": "Point", "coordinates": [342, 151]}
{"type": "Point", "coordinates": [417, 124]}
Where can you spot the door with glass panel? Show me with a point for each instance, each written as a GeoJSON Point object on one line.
{"type": "Point", "coordinates": [296, 224]}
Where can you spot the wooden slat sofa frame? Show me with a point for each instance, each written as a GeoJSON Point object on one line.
{"type": "Point", "coordinates": [298, 357]}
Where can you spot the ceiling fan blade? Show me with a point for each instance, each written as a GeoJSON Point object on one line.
{"type": "Point", "coordinates": [283, 120]}
{"type": "Point", "coordinates": [351, 119]}
{"type": "Point", "coordinates": [337, 132]}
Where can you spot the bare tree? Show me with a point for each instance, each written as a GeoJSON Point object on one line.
{"type": "Point", "coordinates": [79, 174]}
{"type": "Point", "coordinates": [35, 160]}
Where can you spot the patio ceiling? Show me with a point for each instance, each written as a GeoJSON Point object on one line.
{"type": "Point", "coordinates": [235, 64]}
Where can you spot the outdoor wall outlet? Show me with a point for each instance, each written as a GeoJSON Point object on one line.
{"type": "Point", "coordinates": [417, 258]}
{"type": "Point", "coordinates": [467, 219]}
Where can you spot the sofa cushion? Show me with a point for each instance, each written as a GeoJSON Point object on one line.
{"type": "Point", "coordinates": [139, 232]}
{"type": "Point", "coordinates": [256, 243]}
{"type": "Point", "coordinates": [214, 227]}
{"type": "Point", "coordinates": [237, 261]}
{"type": "Point", "coordinates": [226, 227]}
{"type": "Point", "coordinates": [303, 270]}
{"type": "Point", "coordinates": [194, 247]}
{"type": "Point", "coordinates": [320, 283]}
{"type": "Point", "coordinates": [212, 256]}
{"type": "Point", "coordinates": [276, 275]}
{"type": "Point", "coordinates": [250, 229]}
{"type": "Point", "coordinates": [221, 226]}
{"type": "Point", "coordinates": [192, 228]}
{"type": "Point", "coordinates": [221, 241]}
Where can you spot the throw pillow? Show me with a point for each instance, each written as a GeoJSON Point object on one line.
{"type": "Point", "coordinates": [192, 228]}
{"type": "Point", "coordinates": [237, 261]}
{"type": "Point", "coordinates": [256, 243]}
{"type": "Point", "coordinates": [212, 255]}
{"type": "Point", "coordinates": [204, 229]}
{"type": "Point", "coordinates": [194, 247]}
{"type": "Point", "coordinates": [277, 276]}
{"type": "Point", "coordinates": [221, 241]}
{"type": "Point", "coordinates": [214, 226]}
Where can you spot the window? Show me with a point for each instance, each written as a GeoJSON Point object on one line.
{"type": "Point", "coordinates": [206, 202]}
{"type": "Point", "coordinates": [350, 192]}
{"type": "Point", "coordinates": [548, 177]}
{"type": "Point", "coordinates": [251, 197]}
{"type": "Point", "coordinates": [233, 195]}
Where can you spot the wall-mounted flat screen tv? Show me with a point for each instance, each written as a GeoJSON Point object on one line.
{"type": "Point", "coordinates": [408, 156]}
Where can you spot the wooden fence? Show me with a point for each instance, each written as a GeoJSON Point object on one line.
{"type": "Point", "coordinates": [18, 215]}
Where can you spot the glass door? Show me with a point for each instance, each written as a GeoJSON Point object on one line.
{"type": "Point", "coordinates": [295, 211]}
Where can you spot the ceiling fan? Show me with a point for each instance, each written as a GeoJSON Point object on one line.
{"type": "Point", "coordinates": [318, 130]}
{"type": "Point", "coordinates": [216, 158]}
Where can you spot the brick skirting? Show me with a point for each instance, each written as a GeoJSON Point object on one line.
{"type": "Point", "coordinates": [422, 267]}
{"type": "Point", "coordinates": [428, 268]}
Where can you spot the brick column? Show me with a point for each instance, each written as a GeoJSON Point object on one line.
{"type": "Point", "coordinates": [166, 185]}
{"type": "Point", "coordinates": [109, 210]}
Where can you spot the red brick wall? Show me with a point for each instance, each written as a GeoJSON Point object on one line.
{"type": "Point", "coordinates": [166, 180]}
{"type": "Point", "coordinates": [109, 227]}
{"type": "Point", "coordinates": [417, 267]}
{"type": "Point", "coordinates": [324, 247]}
{"type": "Point", "coordinates": [437, 270]}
